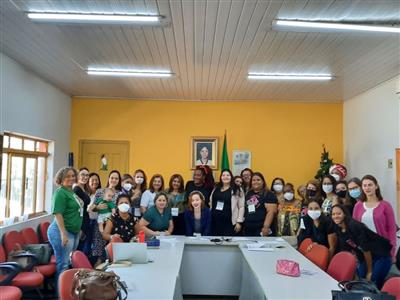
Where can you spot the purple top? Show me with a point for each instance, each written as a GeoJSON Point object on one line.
{"type": "Point", "coordinates": [384, 220]}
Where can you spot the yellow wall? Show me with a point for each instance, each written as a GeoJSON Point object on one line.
{"type": "Point", "coordinates": [285, 138]}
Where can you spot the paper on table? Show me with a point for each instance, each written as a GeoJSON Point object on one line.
{"type": "Point", "coordinates": [256, 245]}
{"type": "Point", "coordinates": [261, 249]}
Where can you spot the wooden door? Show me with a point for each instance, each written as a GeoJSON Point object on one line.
{"type": "Point", "coordinates": [398, 182]}
{"type": "Point", "coordinates": [93, 154]}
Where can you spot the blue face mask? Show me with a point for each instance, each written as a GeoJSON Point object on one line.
{"type": "Point", "coordinates": [356, 193]}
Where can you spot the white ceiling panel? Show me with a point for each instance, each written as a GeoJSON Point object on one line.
{"type": "Point", "coordinates": [209, 45]}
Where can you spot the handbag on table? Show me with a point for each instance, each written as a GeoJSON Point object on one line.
{"type": "Point", "coordinates": [94, 285]}
{"type": "Point", "coordinates": [287, 267]}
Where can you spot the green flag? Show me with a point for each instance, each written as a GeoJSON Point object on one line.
{"type": "Point", "coordinates": [225, 158]}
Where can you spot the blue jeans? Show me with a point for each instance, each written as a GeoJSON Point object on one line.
{"type": "Point", "coordinates": [62, 253]}
{"type": "Point", "coordinates": [380, 268]}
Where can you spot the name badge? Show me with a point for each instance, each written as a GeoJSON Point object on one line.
{"type": "Point", "coordinates": [175, 211]}
{"type": "Point", "coordinates": [81, 211]}
{"type": "Point", "coordinates": [220, 205]}
{"type": "Point", "coordinates": [137, 212]}
{"type": "Point", "coordinates": [251, 208]}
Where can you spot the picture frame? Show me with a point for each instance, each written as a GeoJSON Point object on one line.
{"type": "Point", "coordinates": [241, 159]}
{"type": "Point", "coordinates": [204, 151]}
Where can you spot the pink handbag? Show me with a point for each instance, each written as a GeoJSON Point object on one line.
{"type": "Point", "coordinates": [287, 267]}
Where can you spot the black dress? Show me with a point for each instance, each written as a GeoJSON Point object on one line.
{"type": "Point", "coordinates": [221, 214]}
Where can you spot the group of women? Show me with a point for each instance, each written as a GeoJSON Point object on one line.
{"type": "Point", "coordinates": [349, 216]}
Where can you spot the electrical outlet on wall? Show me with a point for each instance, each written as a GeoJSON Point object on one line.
{"type": "Point", "coordinates": [390, 163]}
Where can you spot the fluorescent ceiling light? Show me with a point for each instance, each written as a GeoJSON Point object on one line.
{"type": "Point", "coordinates": [92, 18]}
{"type": "Point", "coordinates": [129, 72]}
{"type": "Point", "coordinates": [334, 26]}
{"type": "Point", "coordinates": [265, 76]}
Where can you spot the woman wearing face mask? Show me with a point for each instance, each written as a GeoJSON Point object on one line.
{"type": "Point", "coordinates": [277, 188]}
{"type": "Point", "coordinates": [313, 193]}
{"type": "Point", "coordinates": [197, 216]}
{"type": "Point", "coordinates": [156, 186]}
{"type": "Point", "coordinates": [288, 213]}
{"type": "Point", "coordinates": [375, 212]}
{"type": "Point", "coordinates": [122, 224]}
{"type": "Point", "coordinates": [158, 219]}
{"type": "Point", "coordinates": [341, 192]}
{"type": "Point", "coordinates": [81, 189]}
{"type": "Point", "coordinates": [318, 228]}
{"type": "Point", "coordinates": [371, 249]}
{"type": "Point", "coordinates": [176, 197]}
{"type": "Point", "coordinates": [126, 185]}
{"type": "Point", "coordinates": [261, 207]}
{"type": "Point", "coordinates": [328, 194]}
{"type": "Point", "coordinates": [354, 188]}
{"type": "Point", "coordinates": [139, 187]}
{"type": "Point", "coordinates": [227, 206]}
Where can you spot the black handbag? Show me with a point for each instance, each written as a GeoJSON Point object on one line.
{"type": "Point", "coordinates": [359, 290]}
{"type": "Point", "coordinates": [41, 251]}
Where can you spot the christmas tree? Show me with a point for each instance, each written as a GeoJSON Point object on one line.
{"type": "Point", "coordinates": [324, 165]}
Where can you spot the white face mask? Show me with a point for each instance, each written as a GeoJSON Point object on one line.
{"type": "Point", "coordinates": [127, 186]}
{"type": "Point", "coordinates": [278, 188]}
{"type": "Point", "coordinates": [327, 188]}
{"type": "Point", "coordinates": [124, 207]}
{"type": "Point", "coordinates": [336, 176]}
{"type": "Point", "coordinates": [314, 214]}
{"type": "Point", "coordinates": [139, 180]}
{"type": "Point", "coordinates": [288, 196]}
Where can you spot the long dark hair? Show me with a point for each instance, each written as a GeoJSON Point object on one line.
{"type": "Point", "coordinates": [98, 179]}
{"type": "Point", "coordinates": [378, 194]}
{"type": "Point", "coordinates": [236, 189]}
{"type": "Point", "coordinates": [181, 188]}
{"type": "Point", "coordinates": [264, 188]}
{"type": "Point", "coordinates": [208, 176]}
{"type": "Point", "coordinates": [143, 186]}
{"type": "Point", "coordinates": [118, 186]}
{"type": "Point", "coordinates": [347, 217]}
{"type": "Point", "coordinates": [86, 186]}
{"type": "Point", "coordinates": [333, 181]}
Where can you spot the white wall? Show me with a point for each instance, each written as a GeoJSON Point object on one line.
{"type": "Point", "coordinates": [34, 107]}
{"type": "Point", "coordinates": [371, 123]}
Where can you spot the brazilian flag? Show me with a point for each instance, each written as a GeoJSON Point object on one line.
{"type": "Point", "coordinates": [225, 157]}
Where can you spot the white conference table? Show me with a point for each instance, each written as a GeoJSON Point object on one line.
{"type": "Point", "coordinates": [196, 266]}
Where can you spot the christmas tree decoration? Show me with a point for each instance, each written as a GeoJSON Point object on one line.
{"type": "Point", "coordinates": [324, 165]}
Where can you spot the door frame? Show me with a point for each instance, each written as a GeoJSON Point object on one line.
{"type": "Point", "coordinates": [81, 142]}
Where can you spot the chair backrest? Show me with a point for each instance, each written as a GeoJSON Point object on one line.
{"type": "Point", "coordinates": [109, 251]}
{"type": "Point", "coordinates": [319, 255]}
{"type": "Point", "coordinates": [79, 260]}
{"type": "Point", "coordinates": [3, 256]}
{"type": "Point", "coordinates": [65, 284]}
{"type": "Point", "coordinates": [304, 245]}
{"type": "Point", "coordinates": [11, 239]}
{"type": "Point", "coordinates": [392, 287]}
{"type": "Point", "coordinates": [43, 231]}
{"type": "Point", "coordinates": [30, 236]}
{"type": "Point", "coordinates": [342, 266]}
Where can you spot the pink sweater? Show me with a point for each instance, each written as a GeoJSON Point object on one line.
{"type": "Point", "coordinates": [384, 220]}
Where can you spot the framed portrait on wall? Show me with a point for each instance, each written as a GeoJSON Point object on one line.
{"type": "Point", "coordinates": [241, 160]}
{"type": "Point", "coordinates": [204, 151]}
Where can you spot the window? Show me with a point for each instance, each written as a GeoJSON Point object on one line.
{"type": "Point", "coordinates": [23, 175]}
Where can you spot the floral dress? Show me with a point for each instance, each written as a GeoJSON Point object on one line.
{"type": "Point", "coordinates": [98, 242]}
